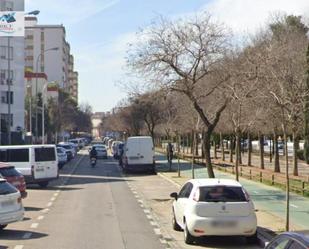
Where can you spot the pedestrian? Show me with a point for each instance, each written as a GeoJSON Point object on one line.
{"type": "Point", "coordinates": [169, 154]}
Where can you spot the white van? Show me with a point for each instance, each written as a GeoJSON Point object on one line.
{"type": "Point", "coordinates": [38, 163]}
{"type": "Point", "coordinates": [139, 154]}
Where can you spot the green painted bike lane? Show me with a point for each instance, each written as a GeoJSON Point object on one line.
{"type": "Point", "coordinates": [266, 198]}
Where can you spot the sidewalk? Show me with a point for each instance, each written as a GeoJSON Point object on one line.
{"type": "Point", "coordinates": [269, 201]}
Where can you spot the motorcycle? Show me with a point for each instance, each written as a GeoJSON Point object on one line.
{"type": "Point", "coordinates": [93, 162]}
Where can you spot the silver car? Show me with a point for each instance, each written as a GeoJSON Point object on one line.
{"type": "Point", "coordinates": [101, 150]}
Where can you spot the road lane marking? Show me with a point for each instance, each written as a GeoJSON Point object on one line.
{"type": "Point", "coordinates": [41, 217]}
{"type": "Point", "coordinates": [53, 199]}
{"type": "Point", "coordinates": [19, 247]}
{"type": "Point", "coordinates": [157, 231]}
{"type": "Point", "coordinates": [149, 217]}
{"type": "Point", "coordinates": [153, 223]}
{"type": "Point", "coordinates": [163, 241]}
{"type": "Point", "coordinates": [292, 205]}
{"type": "Point", "coordinates": [56, 194]}
{"type": "Point", "coordinates": [49, 204]}
{"type": "Point", "coordinates": [46, 210]}
{"type": "Point", "coordinates": [255, 192]}
{"type": "Point", "coordinates": [27, 235]}
{"type": "Point", "coordinates": [146, 211]}
{"type": "Point", "coordinates": [34, 225]}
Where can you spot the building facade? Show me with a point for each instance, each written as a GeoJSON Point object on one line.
{"type": "Point", "coordinates": [13, 46]}
{"type": "Point", "coordinates": [56, 64]}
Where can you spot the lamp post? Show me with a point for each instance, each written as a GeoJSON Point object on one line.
{"type": "Point", "coordinates": [36, 88]}
{"type": "Point", "coordinates": [30, 111]}
{"type": "Point", "coordinates": [43, 113]}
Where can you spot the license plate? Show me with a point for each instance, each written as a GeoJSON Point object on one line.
{"type": "Point", "coordinates": [221, 223]}
{"type": "Point", "coordinates": [7, 203]}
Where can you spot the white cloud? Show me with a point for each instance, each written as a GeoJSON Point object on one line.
{"type": "Point", "coordinates": [249, 15]}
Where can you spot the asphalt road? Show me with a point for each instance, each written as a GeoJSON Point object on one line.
{"type": "Point", "coordinates": [93, 209]}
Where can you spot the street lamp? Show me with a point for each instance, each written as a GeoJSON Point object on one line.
{"type": "Point", "coordinates": [43, 113]}
{"type": "Point", "coordinates": [36, 87]}
{"type": "Point", "coordinates": [30, 111]}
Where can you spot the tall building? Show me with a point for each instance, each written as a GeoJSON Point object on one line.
{"type": "Point", "coordinates": [55, 64]}
{"type": "Point", "coordinates": [16, 96]}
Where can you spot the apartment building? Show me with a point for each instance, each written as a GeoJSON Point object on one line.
{"type": "Point", "coordinates": [41, 56]}
{"type": "Point", "coordinates": [12, 63]}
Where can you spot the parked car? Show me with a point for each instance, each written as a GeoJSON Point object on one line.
{"type": "Point", "coordinates": [70, 151]}
{"type": "Point", "coordinates": [14, 177]}
{"type": "Point", "coordinates": [37, 163]}
{"type": "Point", "coordinates": [289, 240]}
{"type": "Point", "coordinates": [77, 142]}
{"type": "Point", "coordinates": [101, 150]}
{"type": "Point", "coordinates": [215, 207]}
{"type": "Point", "coordinates": [138, 154]}
{"type": "Point", "coordinates": [62, 157]}
{"type": "Point", "coordinates": [11, 209]}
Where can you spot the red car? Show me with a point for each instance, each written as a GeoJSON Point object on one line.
{"type": "Point", "coordinates": [13, 177]}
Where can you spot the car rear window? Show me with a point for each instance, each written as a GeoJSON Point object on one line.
{"type": "Point", "coordinates": [6, 188]}
{"type": "Point", "coordinates": [9, 172]}
{"type": "Point", "coordinates": [222, 194]}
{"type": "Point", "coordinates": [45, 154]}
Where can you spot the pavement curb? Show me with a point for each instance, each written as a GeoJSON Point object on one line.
{"type": "Point", "coordinates": [262, 236]}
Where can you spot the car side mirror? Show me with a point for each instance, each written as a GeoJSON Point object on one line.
{"type": "Point", "coordinates": [174, 195]}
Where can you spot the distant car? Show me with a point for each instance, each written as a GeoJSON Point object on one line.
{"type": "Point", "coordinates": [11, 209]}
{"type": "Point", "coordinates": [214, 207]}
{"type": "Point", "coordinates": [62, 157]}
{"type": "Point", "coordinates": [78, 142]}
{"type": "Point", "coordinates": [289, 240]}
{"type": "Point", "coordinates": [13, 177]}
{"type": "Point", "coordinates": [69, 149]}
{"type": "Point", "coordinates": [101, 150]}
{"type": "Point", "coordinates": [97, 142]}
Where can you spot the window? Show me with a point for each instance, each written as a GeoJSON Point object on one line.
{"type": "Point", "coordinates": [45, 154]}
{"type": "Point", "coordinates": [296, 245]}
{"type": "Point", "coordinates": [186, 190]}
{"type": "Point", "coordinates": [14, 155]}
{"type": "Point", "coordinates": [4, 76]}
{"type": "Point", "coordinates": [5, 118]}
{"type": "Point", "coordinates": [9, 172]}
{"type": "Point", "coordinates": [7, 97]}
{"type": "Point", "coordinates": [279, 243]}
{"type": "Point", "coordinates": [4, 52]}
{"type": "Point", "coordinates": [222, 193]}
{"type": "Point", "coordinates": [6, 188]}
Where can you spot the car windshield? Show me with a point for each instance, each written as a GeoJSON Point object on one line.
{"type": "Point", "coordinates": [222, 194]}
{"type": "Point", "coordinates": [9, 172]}
{"type": "Point", "coordinates": [6, 188]}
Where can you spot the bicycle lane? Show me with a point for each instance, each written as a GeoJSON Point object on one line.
{"type": "Point", "coordinates": [268, 200]}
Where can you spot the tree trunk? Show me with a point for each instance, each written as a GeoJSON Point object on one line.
{"type": "Point", "coordinates": [270, 149]}
{"type": "Point", "coordinates": [193, 155]}
{"type": "Point", "coordinates": [196, 137]}
{"type": "Point", "coordinates": [192, 144]}
{"type": "Point", "coordinates": [203, 147]}
{"type": "Point", "coordinates": [295, 150]}
{"type": "Point", "coordinates": [276, 153]}
{"type": "Point", "coordinates": [261, 144]}
{"type": "Point", "coordinates": [222, 147]}
{"type": "Point", "coordinates": [215, 149]}
{"type": "Point", "coordinates": [237, 136]}
{"type": "Point", "coordinates": [240, 148]}
{"type": "Point", "coordinates": [231, 148]}
{"type": "Point", "coordinates": [249, 150]}
{"type": "Point", "coordinates": [210, 171]}
{"type": "Point", "coordinates": [287, 219]}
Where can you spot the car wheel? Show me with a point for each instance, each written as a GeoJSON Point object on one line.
{"type": "Point", "coordinates": [189, 239]}
{"type": "Point", "coordinates": [43, 184]}
{"type": "Point", "coordinates": [2, 227]}
{"type": "Point", "coordinates": [176, 227]}
{"type": "Point", "coordinates": [253, 239]}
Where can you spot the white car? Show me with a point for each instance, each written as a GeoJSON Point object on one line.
{"type": "Point", "coordinates": [214, 207]}
{"type": "Point", "coordinates": [101, 150]}
{"type": "Point", "coordinates": [11, 208]}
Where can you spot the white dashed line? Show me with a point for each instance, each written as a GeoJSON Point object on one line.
{"type": "Point", "coordinates": [34, 225]}
{"type": "Point", "coordinates": [46, 210]}
{"type": "Point", "coordinates": [292, 205]}
{"type": "Point", "coordinates": [53, 199]}
{"type": "Point", "coordinates": [41, 217]}
{"type": "Point", "coordinates": [56, 194]}
{"type": "Point", "coordinates": [163, 241]}
{"type": "Point", "coordinates": [27, 235]}
{"type": "Point", "coordinates": [140, 201]}
{"type": "Point", "coordinates": [146, 211]}
{"type": "Point", "coordinates": [153, 223]}
{"type": "Point", "coordinates": [255, 192]}
{"type": "Point", "coordinates": [49, 204]}
{"type": "Point", "coordinates": [19, 247]}
{"type": "Point", "coordinates": [149, 217]}
{"type": "Point", "coordinates": [157, 231]}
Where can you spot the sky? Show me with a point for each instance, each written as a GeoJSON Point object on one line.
{"type": "Point", "coordinates": [99, 32]}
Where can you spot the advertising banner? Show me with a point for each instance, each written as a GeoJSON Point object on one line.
{"type": "Point", "coordinates": [12, 23]}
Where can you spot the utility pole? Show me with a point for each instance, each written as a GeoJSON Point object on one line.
{"type": "Point", "coordinates": [9, 82]}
